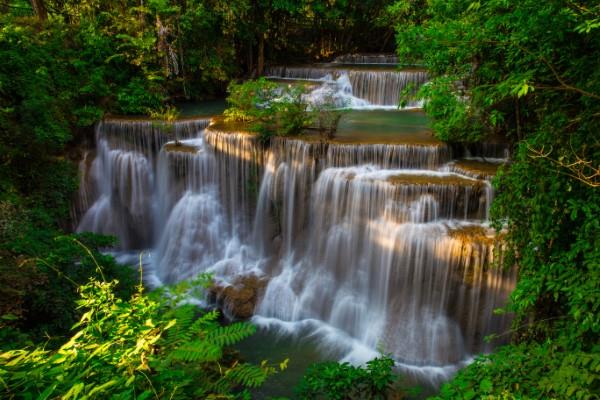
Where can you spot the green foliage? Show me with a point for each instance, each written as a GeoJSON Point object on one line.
{"type": "Point", "coordinates": [289, 112]}
{"type": "Point", "coordinates": [144, 347]}
{"type": "Point", "coordinates": [269, 108]}
{"type": "Point", "coordinates": [339, 381]}
{"type": "Point", "coordinates": [136, 98]}
{"type": "Point", "coordinates": [528, 371]}
{"type": "Point", "coordinates": [248, 100]}
{"type": "Point", "coordinates": [453, 117]}
{"type": "Point", "coordinates": [39, 288]}
{"type": "Point", "coordinates": [165, 118]}
{"type": "Point", "coordinates": [527, 71]}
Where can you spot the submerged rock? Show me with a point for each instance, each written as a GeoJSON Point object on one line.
{"type": "Point", "coordinates": [239, 299]}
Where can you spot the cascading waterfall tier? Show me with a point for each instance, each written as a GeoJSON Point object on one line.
{"type": "Point", "coordinates": [475, 167]}
{"type": "Point", "coordinates": [388, 155]}
{"type": "Point", "coordinates": [146, 136]}
{"type": "Point", "coordinates": [123, 175]}
{"type": "Point", "coordinates": [378, 87]}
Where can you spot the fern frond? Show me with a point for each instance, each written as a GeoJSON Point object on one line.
{"type": "Point", "coordinates": [221, 385]}
{"type": "Point", "coordinates": [180, 332]}
{"type": "Point", "coordinates": [185, 315]}
{"type": "Point", "coordinates": [206, 322]}
{"type": "Point", "coordinates": [248, 375]}
{"type": "Point", "coordinates": [197, 351]}
{"type": "Point", "coordinates": [230, 334]}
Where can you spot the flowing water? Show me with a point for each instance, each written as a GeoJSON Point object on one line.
{"type": "Point", "coordinates": [365, 86]}
{"type": "Point", "coordinates": [377, 239]}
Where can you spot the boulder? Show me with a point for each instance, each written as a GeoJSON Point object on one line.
{"type": "Point", "coordinates": [240, 298]}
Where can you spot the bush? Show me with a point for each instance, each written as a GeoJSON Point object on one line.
{"type": "Point", "coordinates": [270, 110]}
{"type": "Point", "coordinates": [39, 287]}
{"type": "Point", "coordinates": [341, 381]}
{"type": "Point", "coordinates": [248, 100]}
{"type": "Point", "coordinates": [138, 97]}
{"type": "Point", "coordinates": [529, 371]}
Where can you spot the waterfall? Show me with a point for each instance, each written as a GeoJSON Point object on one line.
{"type": "Point", "coordinates": [358, 242]}
{"type": "Point", "coordinates": [123, 209]}
{"type": "Point", "coordinates": [385, 87]}
{"type": "Point", "coordinates": [204, 206]}
{"type": "Point", "coordinates": [388, 155]}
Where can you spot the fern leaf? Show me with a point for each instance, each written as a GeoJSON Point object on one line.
{"type": "Point", "coordinates": [197, 351]}
{"type": "Point", "coordinates": [180, 332]}
{"type": "Point", "coordinates": [230, 334]}
{"type": "Point", "coordinates": [248, 375]}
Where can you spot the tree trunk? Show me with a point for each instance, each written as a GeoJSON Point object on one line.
{"type": "Point", "coordinates": [261, 55]}
{"type": "Point", "coordinates": [141, 15]}
{"type": "Point", "coordinates": [39, 8]}
{"type": "Point", "coordinates": [250, 60]}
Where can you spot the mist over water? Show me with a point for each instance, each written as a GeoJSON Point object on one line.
{"type": "Point", "coordinates": [360, 244]}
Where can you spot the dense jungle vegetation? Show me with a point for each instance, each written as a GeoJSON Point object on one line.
{"type": "Point", "coordinates": [74, 324]}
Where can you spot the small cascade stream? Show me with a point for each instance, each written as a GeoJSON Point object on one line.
{"type": "Point", "coordinates": [359, 242]}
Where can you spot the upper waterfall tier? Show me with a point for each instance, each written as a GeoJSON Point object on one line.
{"type": "Point", "coordinates": [379, 86]}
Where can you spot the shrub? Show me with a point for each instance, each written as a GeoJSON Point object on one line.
{"type": "Point", "coordinates": [528, 371]}
{"type": "Point", "coordinates": [270, 110]}
{"type": "Point", "coordinates": [138, 97]}
{"type": "Point", "coordinates": [341, 381]}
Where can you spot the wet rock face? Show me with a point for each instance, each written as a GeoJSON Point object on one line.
{"type": "Point", "coordinates": [239, 299]}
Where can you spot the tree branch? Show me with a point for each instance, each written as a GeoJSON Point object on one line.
{"type": "Point", "coordinates": [581, 169]}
